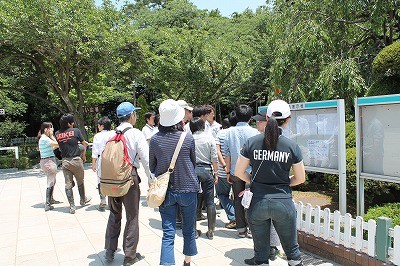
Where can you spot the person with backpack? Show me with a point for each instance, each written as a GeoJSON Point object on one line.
{"type": "Point", "coordinates": [68, 139]}
{"type": "Point", "coordinates": [134, 146]}
{"type": "Point", "coordinates": [99, 143]}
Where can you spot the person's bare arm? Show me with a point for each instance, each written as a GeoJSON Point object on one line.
{"type": "Point", "coordinates": [240, 168]}
{"type": "Point", "coordinates": [299, 174]}
{"type": "Point", "coordinates": [220, 157]}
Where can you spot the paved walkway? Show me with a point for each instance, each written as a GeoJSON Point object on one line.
{"type": "Point", "coordinates": [31, 236]}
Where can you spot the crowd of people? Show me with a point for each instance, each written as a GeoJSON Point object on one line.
{"type": "Point", "coordinates": [223, 161]}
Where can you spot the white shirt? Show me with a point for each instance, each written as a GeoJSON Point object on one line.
{"type": "Point", "coordinates": [138, 149]}
{"type": "Point", "coordinates": [99, 143]}
{"type": "Point", "coordinates": [148, 131]}
{"type": "Point", "coordinates": [213, 128]}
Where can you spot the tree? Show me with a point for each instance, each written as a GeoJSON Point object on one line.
{"type": "Point", "coordinates": [386, 70]}
{"type": "Point", "coordinates": [67, 43]}
{"type": "Point", "coordinates": [194, 55]}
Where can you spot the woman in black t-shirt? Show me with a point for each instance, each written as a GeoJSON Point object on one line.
{"type": "Point", "coordinates": [272, 156]}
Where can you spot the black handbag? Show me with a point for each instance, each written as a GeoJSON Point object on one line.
{"type": "Point", "coordinates": [57, 153]}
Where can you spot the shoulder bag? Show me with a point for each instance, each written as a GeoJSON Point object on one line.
{"type": "Point", "coordinates": [158, 188]}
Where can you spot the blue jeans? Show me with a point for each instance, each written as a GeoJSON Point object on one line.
{"type": "Point", "coordinates": [223, 188]}
{"type": "Point", "coordinates": [168, 211]}
{"type": "Point", "coordinates": [283, 213]}
{"type": "Point", "coordinates": [204, 173]}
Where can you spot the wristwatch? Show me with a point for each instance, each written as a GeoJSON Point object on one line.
{"type": "Point", "coordinates": [224, 166]}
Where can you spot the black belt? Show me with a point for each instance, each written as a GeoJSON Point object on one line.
{"type": "Point", "coordinates": [48, 157]}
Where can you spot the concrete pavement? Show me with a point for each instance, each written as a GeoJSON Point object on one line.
{"type": "Point", "coordinates": [31, 236]}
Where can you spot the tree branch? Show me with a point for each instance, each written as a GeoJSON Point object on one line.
{"type": "Point", "coordinates": [37, 97]}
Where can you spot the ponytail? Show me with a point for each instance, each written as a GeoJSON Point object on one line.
{"type": "Point", "coordinates": [272, 132]}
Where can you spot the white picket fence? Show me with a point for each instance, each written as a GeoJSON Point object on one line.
{"type": "Point", "coordinates": [345, 230]}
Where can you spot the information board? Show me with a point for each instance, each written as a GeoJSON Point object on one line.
{"type": "Point", "coordinates": [377, 141]}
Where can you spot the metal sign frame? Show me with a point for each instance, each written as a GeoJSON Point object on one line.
{"type": "Point", "coordinates": [360, 175]}
{"type": "Point", "coordinates": [341, 171]}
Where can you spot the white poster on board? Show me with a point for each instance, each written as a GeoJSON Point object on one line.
{"type": "Point", "coordinates": [327, 124]}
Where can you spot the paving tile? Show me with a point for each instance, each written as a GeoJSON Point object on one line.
{"type": "Point", "coordinates": [34, 245]}
{"type": "Point", "coordinates": [69, 221]}
{"type": "Point", "coordinates": [7, 255]}
{"type": "Point", "coordinates": [68, 235]}
{"type": "Point", "coordinates": [28, 221]}
{"type": "Point", "coordinates": [74, 250]}
{"type": "Point", "coordinates": [9, 227]}
{"type": "Point", "coordinates": [8, 240]}
{"type": "Point", "coordinates": [34, 231]}
{"type": "Point", "coordinates": [39, 259]}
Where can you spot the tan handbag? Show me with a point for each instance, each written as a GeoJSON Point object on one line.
{"type": "Point", "coordinates": [158, 188]}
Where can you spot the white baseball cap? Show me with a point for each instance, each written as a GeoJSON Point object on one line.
{"type": "Point", "coordinates": [171, 113]}
{"type": "Point", "coordinates": [280, 108]}
{"type": "Point", "coordinates": [185, 105]}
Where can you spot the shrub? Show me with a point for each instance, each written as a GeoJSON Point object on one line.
{"type": "Point", "coordinates": [387, 61]}
{"type": "Point", "coordinates": [390, 210]}
{"type": "Point", "coordinates": [7, 162]}
{"type": "Point", "coordinates": [89, 155]}
{"type": "Point", "coordinates": [23, 163]}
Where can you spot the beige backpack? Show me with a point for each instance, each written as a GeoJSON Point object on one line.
{"type": "Point", "coordinates": [116, 167]}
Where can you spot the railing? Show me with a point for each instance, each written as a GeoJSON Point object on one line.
{"type": "Point", "coordinates": [351, 232]}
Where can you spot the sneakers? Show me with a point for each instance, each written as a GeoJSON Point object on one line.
{"type": "Point", "coordinates": [102, 205]}
{"type": "Point", "coordinates": [84, 202]}
{"type": "Point", "coordinates": [130, 261]}
{"type": "Point", "coordinates": [109, 256]}
{"type": "Point", "coordinates": [231, 225]}
{"type": "Point", "coordinates": [210, 235]}
{"type": "Point", "coordinates": [200, 217]}
{"type": "Point", "coordinates": [242, 234]}
{"type": "Point", "coordinates": [253, 261]}
{"type": "Point", "coordinates": [273, 252]}
{"type": "Point", "coordinates": [246, 233]}
{"type": "Point", "coordinates": [197, 233]}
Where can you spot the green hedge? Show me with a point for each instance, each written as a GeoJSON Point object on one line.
{"type": "Point", "coordinates": [21, 163]}
{"type": "Point", "coordinates": [391, 210]}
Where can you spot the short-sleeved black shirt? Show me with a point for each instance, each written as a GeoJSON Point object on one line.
{"type": "Point", "coordinates": [270, 169]}
{"type": "Point", "coordinates": [68, 142]}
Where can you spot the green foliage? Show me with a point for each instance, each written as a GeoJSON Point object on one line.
{"type": "Point", "coordinates": [387, 62]}
{"type": "Point", "coordinates": [385, 86]}
{"type": "Point", "coordinates": [88, 155]}
{"type": "Point", "coordinates": [350, 134]}
{"type": "Point", "coordinates": [24, 163]}
{"type": "Point", "coordinates": [390, 210]}
{"type": "Point", "coordinates": [142, 103]}
{"type": "Point", "coordinates": [386, 70]}
{"type": "Point", "coordinates": [7, 162]}
{"type": "Point", "coordinates": [9, 130]}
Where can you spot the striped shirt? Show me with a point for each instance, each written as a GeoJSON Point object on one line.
{"type": "Point", "coordinates": [161, 149]}
{"type": "Point", "coordinates": [219, 140]}
{"type": "Point", "coordinates": [45, 148]}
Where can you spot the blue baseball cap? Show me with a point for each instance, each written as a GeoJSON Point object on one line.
{"type": "Point", "coordinates": [126, 108]}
